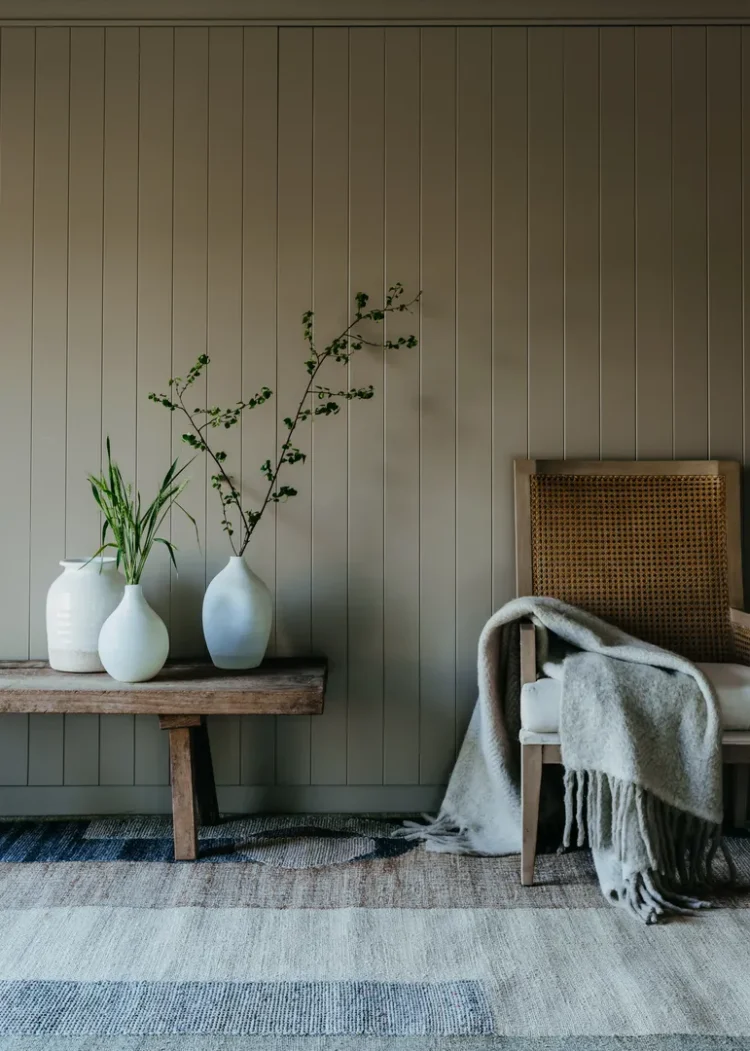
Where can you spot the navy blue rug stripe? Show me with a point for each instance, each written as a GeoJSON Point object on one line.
{"type": "Point", "coordinates": [38, 1008]}
{"type": "Point", "coordinates": [47, 841]}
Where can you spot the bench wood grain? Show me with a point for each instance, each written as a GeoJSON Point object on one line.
{"type": "Point", "coordinates": [280, 686]}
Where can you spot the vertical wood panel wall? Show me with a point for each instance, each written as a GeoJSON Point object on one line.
{"type": "Point", "coordinates": [572, 202]}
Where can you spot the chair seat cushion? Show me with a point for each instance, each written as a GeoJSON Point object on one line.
{"type": "Point", "coordinates": [540, 700]}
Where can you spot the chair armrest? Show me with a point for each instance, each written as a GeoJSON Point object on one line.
{"type": "Point", "coordinates": [528, 653]}
{"type": "Point", "coordinates": [740, 625]}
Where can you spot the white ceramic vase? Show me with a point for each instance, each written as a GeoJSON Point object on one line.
{"type": "Point", "coordinates": [237, 615]}
{"type": "Point", "coordinates": [133, 643]}
{"type": "Point", "coordinates": [78, 603]}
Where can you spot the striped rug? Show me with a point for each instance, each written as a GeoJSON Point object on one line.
{"type": "Point", "coordinates": [104, 944]}
{"type": "Point", "coordinates": [301, 841]}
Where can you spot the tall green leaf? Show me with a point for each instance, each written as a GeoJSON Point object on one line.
{"type": "Point", "coordinates": [133, 530]}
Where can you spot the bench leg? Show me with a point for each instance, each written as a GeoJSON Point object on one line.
{"type": "Point", "coordinates": [184, 816]}
{"type": "Point", "coordinates": [531, 784]}
{"type": "Point", "coordinates": [205, 786]}
{"type": "Point", "coordinates": [740, 788]}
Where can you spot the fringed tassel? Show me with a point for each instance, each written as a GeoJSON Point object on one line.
{"type": "Point", "coordinates": [569, 782]}
{"type": "Point", "coordinates": [641, 809]}
{"type": "Point", "coordinates": [593, 804]}
{"type": "Point", "coordinates": [730, 863]}
{"type": "Point", "coordinates": [680, 848]}
{"type": "Point", "coordinates": [580, 821]}
{"type": "Point", "coordinates": [713, 849]}
{"type": "Point", "coordinates": [440, 834]}
{"type": "Point", "coordinates": [679, 836]}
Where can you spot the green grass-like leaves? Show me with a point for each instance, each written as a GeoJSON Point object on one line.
{"type": "Point", "coordinates": [127, 528]}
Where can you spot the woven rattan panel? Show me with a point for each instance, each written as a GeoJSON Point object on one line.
{"type": "Point", "coordinates": [646, 552]}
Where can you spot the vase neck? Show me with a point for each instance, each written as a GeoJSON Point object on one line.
{"type": "Point", "coordinates": [237, 566]}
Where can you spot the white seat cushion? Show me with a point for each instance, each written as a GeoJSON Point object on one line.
{"type": "Point", "coordinates": [540, 700]}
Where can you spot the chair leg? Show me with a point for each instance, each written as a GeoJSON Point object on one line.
{"type": "Point", "coordinates": [740, 787]}
{"type": "Point", "coordinates": [531, 785]}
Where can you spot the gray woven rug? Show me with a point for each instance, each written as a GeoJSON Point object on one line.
{"type": "Point", "coordinates": [410, 952]}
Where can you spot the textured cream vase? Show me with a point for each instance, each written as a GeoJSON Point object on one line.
{"type": "Point", "coordinates": [133, 643]}
{"type": "Point", "coordinates": [237, 616]}
{"type": "Point", "coordinates": [78, 603]}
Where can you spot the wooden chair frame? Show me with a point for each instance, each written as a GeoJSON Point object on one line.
{"type": "Point", "coordinates": [545, 748]}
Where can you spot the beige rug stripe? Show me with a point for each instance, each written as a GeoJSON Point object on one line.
{"type": "Point", "coordinates": [549, 972]}
{"type": "Point", "coordinates": [415, 880]}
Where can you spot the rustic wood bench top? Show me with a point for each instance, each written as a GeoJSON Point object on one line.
{"type": "Point", "coordinates": [182, 695]}
{"type": "Point", "coordinates": [280, 686]}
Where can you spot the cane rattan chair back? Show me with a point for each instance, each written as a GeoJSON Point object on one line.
{"type": "Point", "coordinates": [651, 546]}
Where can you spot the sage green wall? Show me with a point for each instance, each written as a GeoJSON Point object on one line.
{"type": "Point", "coordinates": [570, 200]}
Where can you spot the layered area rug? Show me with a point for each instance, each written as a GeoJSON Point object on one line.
{"type": "Point", "coordinates": [315, 933]}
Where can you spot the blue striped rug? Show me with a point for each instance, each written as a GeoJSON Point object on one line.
{"type": "Point", "coordinates": [107, 944]}
{"type": "Point", "coordinates": [287, 842]}
{"type": "Point", "coordinates": [244, 1008]}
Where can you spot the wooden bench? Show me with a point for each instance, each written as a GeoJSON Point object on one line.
{"type": "Point", "coordinates": [182, 695]}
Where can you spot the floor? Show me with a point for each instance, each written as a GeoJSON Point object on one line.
{"type": "Point", "coordinates": [334, 933]}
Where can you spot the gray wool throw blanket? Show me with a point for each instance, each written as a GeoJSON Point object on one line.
{"type": "Point", "coordinates": [640, 738]}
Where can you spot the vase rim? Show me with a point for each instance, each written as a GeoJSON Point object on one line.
{"type": "Point", "coordinates": [79, 563]}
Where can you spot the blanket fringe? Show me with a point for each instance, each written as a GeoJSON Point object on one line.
{"type": "Point", "coordinates": [623, 820]}
{"type": "Point", "coordinates": [441, 835]}
{"type": "Point", "coordinates": [680, 848]}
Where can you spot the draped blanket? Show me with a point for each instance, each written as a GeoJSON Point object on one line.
{"type": "Point", "coordinates": [640, 737]}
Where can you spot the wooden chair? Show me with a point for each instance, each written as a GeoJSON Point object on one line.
{"type": "Point", "coordinates": [653, 547]}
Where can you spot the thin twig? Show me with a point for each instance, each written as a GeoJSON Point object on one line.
{"type": "Point", "coordinates": [210, 452]}
{"type": "Point", "coordinates": [320, 359]}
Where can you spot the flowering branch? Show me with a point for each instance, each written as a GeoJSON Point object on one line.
{"type": "Point", "coordinates": [339, 350]}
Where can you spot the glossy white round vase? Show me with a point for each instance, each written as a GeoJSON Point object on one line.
{"type": "Point", "coordinates": [78, 603]}
{"type": "Point", "coordinates": [133, 643]}
{"type": "Point", "coordinates": [237, 615]}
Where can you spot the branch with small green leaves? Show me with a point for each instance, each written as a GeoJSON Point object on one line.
{"type": "Point", "coordinates": [339, 350]}
{"type": "Point", "coordinates": [229, 494]}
